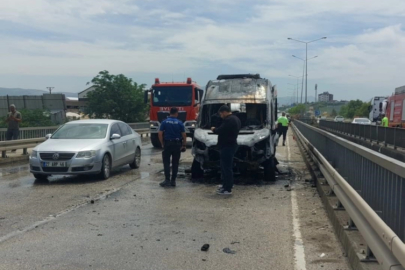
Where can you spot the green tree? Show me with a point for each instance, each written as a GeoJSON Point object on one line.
{"type": "Point", "coordinates": [349, 110]}
{"type": "Point", "coordinates": [298, 109]}
{"type": "Point", "coordinates": [116, 97]}
{"type": "Point", "coordinates": [333, 113]}
{"type": "Point", "coordinates": [343, 111]}
{"type": "Point", "coordinates": [32, 118]}
{"type": "Point", "coordinates": [363, 110]}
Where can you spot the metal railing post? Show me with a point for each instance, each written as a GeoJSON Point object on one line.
{"type": "Point", "coordinates": [395, 138]}
{"type": "Point", "coordinates": [367, 256]}
{"type": "Point", "coordinates": [350, 225]}
{"type": "Point", "coordinates": [378, 137]}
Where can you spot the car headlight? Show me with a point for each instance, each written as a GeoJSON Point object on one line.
{"type": "Point", "coordinates": [86, 154]}
{"type": "Point", "coordinates": [34, 154]}
{"type": "Point", "coordinates": [190, 124]}
{"type": "Point", "coordinates": [154, 124]}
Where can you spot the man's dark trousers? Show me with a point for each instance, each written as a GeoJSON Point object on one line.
{"type": "Point", "coordinates": [12, 134]}
{"type": "Point", "coordinates": [227, 154]}
{"type": "Point", "coordinates": [172, 149]}
{"type": "Point", "coordinates": [284, 131]}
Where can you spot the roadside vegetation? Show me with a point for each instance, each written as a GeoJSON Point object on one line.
{"type": "Point", "coordinates": [349, 110]}
{"type": "Point", "coordinates": [32, 118]}
{"type": "Point", "coordinates": [116, 97]}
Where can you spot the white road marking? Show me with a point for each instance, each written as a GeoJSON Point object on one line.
{"type": "Point", "coordinates": [299, 252]}
{"type": "Point", "coordinates": [52, 217]}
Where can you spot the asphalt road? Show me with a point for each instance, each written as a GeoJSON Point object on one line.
{"type": "Point", "coordinates": [135, 224]}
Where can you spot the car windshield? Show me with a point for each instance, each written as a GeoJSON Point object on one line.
{"type": "Point", "coordinates": [167, 96]}
{"type": "Point", "coordinates": [81, 131]}
{"type": "Point", "coordinates": [361, 120]}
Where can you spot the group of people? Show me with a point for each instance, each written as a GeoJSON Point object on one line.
{"type": "Point", "coordinates": [172, 137]}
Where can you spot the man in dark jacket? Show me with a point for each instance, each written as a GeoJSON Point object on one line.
{"type": "Point", "coordinates": [227, 142]}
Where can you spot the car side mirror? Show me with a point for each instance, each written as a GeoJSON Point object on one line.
{"type": "Point", "coordinates": [48, 136]}
{"type": "Point", "coordinates": [115, 136]}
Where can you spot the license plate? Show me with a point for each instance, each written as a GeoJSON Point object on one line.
{"type": "Point", "coordinates": [54, 164]}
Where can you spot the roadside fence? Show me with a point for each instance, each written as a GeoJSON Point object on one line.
{"type": "Point", "coordinates": [372, 133]}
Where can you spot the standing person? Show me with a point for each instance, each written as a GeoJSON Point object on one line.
{"type": "Point", "coordinates": [384, 121]}
{"type": "Point", "coordinates": [13, 119]}
{"type": "Point", "coordinates": [283, 120]}
{"type": "Point", "coordinates": [227, 142]}
{"type": "Point", "coordinates": [172, 136]}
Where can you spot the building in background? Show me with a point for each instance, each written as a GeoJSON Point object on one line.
{"type": "Point", "coordinates": [83, 94]}
{"type": "Point", "coordinates": [325, 97]}
{"type": "Point", "coordinates": [74, 105]}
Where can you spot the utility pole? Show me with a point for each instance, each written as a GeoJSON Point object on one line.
{"type": "Point", "coordinates": [316, 92]}
{"type": "Point", "coordinates": [50, 89]}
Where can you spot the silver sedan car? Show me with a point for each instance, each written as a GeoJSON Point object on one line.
{"type": "Point", "coordinates": [87, 147]}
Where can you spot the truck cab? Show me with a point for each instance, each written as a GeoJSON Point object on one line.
{"type": "Point", "coordinates": [254, 101]}
{"type": "Point", "coordinates": [377, 108]}
{"type": "Point", "coordinates": [162, 96]}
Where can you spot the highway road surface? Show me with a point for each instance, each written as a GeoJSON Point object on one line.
{"type": "Point", "coordinates": [129, 222]}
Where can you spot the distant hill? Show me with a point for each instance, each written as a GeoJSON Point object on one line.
{"type": "Point", "coordinates": [30, 92]}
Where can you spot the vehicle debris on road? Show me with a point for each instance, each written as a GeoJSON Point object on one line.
{"type": "Point", "coordinates": [229, 251]}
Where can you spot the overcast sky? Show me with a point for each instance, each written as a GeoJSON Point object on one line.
{"type": "Point", "coordinates": [65, 43]}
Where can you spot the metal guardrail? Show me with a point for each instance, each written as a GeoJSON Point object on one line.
{"type": "Point", "coordinates": [373, 133]}
{"type": "Point", "coordinates": [29, 143]}
{"type": "Point", "coordinates": [140, 125]}
{"type": "Point", "coordinates": [19, 144]}
{"type": "Point", "coordinates": [369, 185]}
{"type": "Point", "coordinates": [39, 132]}
{"type": "Point", "coordinates": [30, 132]}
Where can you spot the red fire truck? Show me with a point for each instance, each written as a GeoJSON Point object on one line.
{"type": "Point", "coordinates": [396, 108]}
{"type": "Point", "coordinates": [162, 96]}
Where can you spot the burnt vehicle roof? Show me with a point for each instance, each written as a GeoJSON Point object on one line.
{"type": "Point", "coordinates": [238, 76]}
{"type": "Point", "coordinates": [238, 88]}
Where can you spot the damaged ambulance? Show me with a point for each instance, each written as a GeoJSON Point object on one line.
{"type": "Point", "coordinates": [254, 101]}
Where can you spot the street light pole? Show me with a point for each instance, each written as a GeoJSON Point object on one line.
{"type": "Point", "coordinates": [306, 61]}
{"type": "Point", "coordinates": [298, 77]}
{"type": "Point", "coordinates": [303, 76]}
{"type": "Point", "coordinates": [295, 90]}
{"type": "Point", "coordinates": [306, 71]}
{"type": "Point", "coordinates": [303, 72]}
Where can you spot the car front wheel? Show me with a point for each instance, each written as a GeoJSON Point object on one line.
{"type": "Point", "coordinates": [196, 171]}
{"type": "Point", "coordinates": [269, 170]}
{"type": "Point", "coordinates": [105, 167]}
{"type": "Point", "coordinates": [137, 159]}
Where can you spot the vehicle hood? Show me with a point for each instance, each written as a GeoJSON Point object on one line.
{"type": "Point", "coordinates": [245, 138]}
{"type": "Point", "coordinates": [64, 145]}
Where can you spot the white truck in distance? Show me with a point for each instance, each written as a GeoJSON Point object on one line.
{"type": "Point", "coordinates": [377, 107]}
